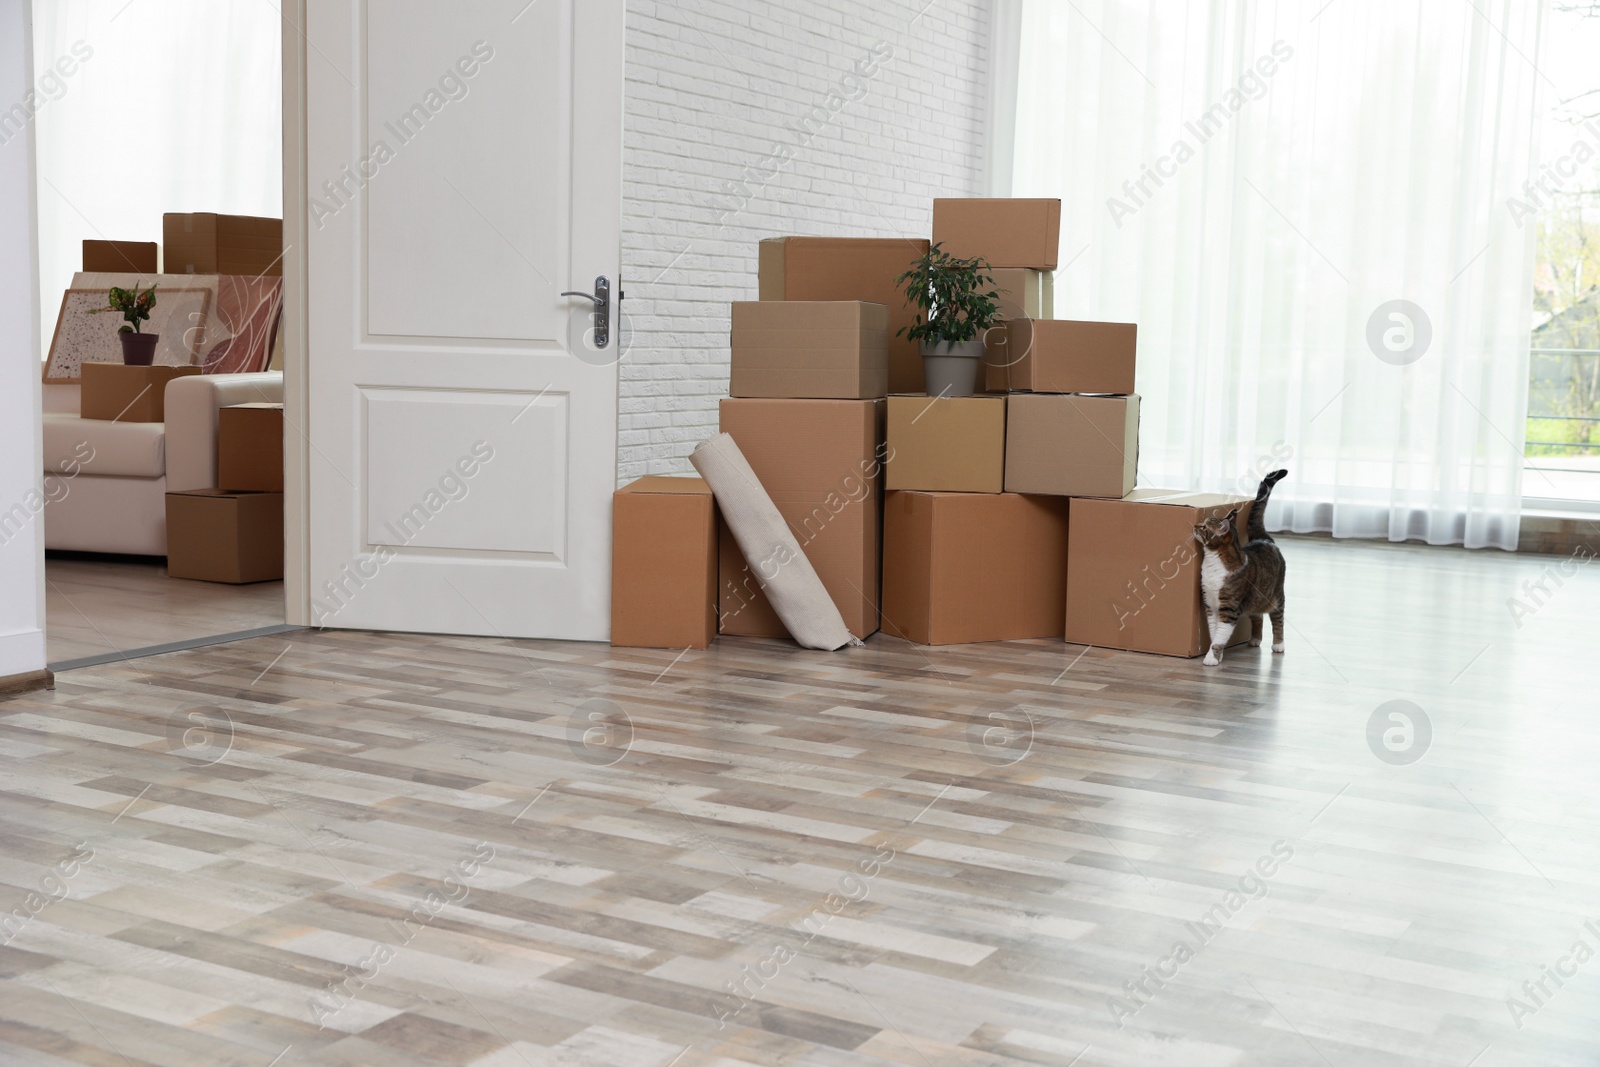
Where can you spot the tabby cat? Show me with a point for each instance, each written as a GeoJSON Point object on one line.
{"type": "Point", "coordinates": [1241, 581]}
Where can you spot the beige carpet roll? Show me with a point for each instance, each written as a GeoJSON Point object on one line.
{"type": "Point", "coordinates": [774, 556]}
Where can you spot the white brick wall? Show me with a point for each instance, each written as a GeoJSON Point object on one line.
{"type": "Point", "coordinates": [717, 94]}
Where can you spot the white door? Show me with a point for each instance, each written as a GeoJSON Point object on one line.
{"type": "Point", "coordinates": [465, 167]}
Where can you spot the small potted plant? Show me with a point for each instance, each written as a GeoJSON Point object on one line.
{"type": "Point", "coordinates": [955, 302]}
{"type": "Point", "coordinates": [138, 347]}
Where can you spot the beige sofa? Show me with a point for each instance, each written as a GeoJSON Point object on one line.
{"type": "Point", "coordinates": [106, 481]}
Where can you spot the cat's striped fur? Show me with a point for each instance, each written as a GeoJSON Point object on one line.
{"type": "Point", "coordinates": [1241, 581]}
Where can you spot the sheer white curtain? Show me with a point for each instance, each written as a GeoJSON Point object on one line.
{"type": "Point", "coordinates": [1256, 183]}
{"type": "Point", "coordinates": [150, 106]}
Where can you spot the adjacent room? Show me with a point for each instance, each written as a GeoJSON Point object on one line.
{"type": "Point", "coordinates": [964, 533]}
{"type": "Point", "coordinates": [171, 211]}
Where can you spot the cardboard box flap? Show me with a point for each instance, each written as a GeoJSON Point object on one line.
{"type": "Point", "coordinates": [1184, 498]}
{"type": "Point", "coordinates": [662, 483]}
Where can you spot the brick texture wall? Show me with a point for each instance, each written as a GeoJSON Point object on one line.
{"type": "Point", "coordinates": [751, 119]}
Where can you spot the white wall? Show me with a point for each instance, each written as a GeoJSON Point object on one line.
{"type": "Point", "coordinates": [716, 97]}
{"type": "Point", "coordinates": [21, 455]}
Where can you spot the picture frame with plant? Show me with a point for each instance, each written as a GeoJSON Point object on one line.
{"type": "Point", "coordinates": [133, 305]}
{"type": "Point", "coordinates": [954, 297]}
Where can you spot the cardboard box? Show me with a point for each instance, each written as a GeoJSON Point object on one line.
{"type": "Point", "coordinates": [120, 257]}
{"type": "Point", "coordinates": [1066, 445]}
{"type": "Point", "coordinates": [202, 242]}
{"type": "Point", "coordinates": [1133, 572]}
{"type": "Point", "coordinates": [821, 462]}
{"type": "Point", "coordinates": [217, 536]}
{"type": "Point", "coordinates": [1008, 232]}
{"type": "Point", "coordinates": [817, 349]}
{"type": "Point", "coordinates": [664, 564]}
{"type": "Point", "coordinates": [1025, 293]}
{"type": "Point", "coordinates": [250, 447]}
{"type": "Point", "coordinates": [953, 444]}
{"type": "Point", "coordinates": [1061, 356]}
{"type": "Point", "coordinates": [850, 268]}
{"type": "Point", "coordinates": [118, 392]}
{"type": "Point", "coordinates": [965, 567]}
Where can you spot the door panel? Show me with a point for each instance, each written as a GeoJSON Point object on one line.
{"type": "Point", "coordinates": [463, 453]}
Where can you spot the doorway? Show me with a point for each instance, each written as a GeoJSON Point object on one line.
{"type": "Point", "coordinates": [147, 120]}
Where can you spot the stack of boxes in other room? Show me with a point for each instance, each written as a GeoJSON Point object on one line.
{"type": "Point", "coordinates": [234, 532]}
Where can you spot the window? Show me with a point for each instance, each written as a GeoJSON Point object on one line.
{"type": "Point", "coordinates": [1563, 447]}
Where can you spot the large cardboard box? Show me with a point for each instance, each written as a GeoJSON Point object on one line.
{"type": "Point", "coordinates": [1061, 356]}
{"type": "Point", "coordinates": [1133, 571]}
{"type": "Point", "coordinates": [1072, 445]}
{"type": "Point", "coordinates": [946, 443]}
{"type": "Point", "coordinates": [850, 268]}
{"type": "Point", "coordinates": [664, 564]}
{"type": "Point", "coordinates": [1010, 232]}
{"type": "Point", "coordinates": [250, 447]}
{"type": "Point", "coordinates": [816, 349]}
{"type": "Point", "coordinates": [821, 461]}
{"type": "Point", "coordinates": [121, 393]}
{"type": "Point", "coordinates": [964, 567]}
{"type": "Point", "coordinates": [1025, 293]}
{"type": "Point", "coordinates": [119, 257]}
{"type": "Point", "coordinates": [219, 536]}
{"type": "Point", "coordinates": [203, 242]}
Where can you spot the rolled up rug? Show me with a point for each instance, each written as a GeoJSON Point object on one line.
{"type": "Point", "coordinates": [770, 549]}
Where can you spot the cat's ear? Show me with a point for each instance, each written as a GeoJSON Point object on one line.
{"type": "Point", "coordinates": [1233, 517]}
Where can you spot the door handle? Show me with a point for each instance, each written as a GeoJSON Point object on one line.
{"type": "Point", "coordinates": [602, 309]}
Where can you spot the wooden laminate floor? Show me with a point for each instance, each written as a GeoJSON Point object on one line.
{"type": "Point", "coordinates": [101, 605]}
{"type": "Point", "coordinates": [364, 849]}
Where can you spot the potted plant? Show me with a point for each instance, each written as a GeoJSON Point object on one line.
{"type": "Point", "coordinates": [955, 302]}
{"type": "Point", "coordinates": [138, 347]}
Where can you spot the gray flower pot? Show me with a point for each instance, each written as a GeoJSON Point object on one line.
{"type": "Point", "coordinates": [950, 368]}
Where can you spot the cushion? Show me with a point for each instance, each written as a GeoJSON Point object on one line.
{"type": "Point", "coordinates": [788, 579]}
{"type": "Point", "coordinates": [104, 447]}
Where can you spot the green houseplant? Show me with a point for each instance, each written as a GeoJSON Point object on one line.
{"type": "Point", "coordinates": [956, 305]}
{"type": "Point", "coordinates": [138, 347]}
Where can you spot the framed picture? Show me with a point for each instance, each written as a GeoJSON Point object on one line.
{"type": "Point", "coordinates": [179, 317]}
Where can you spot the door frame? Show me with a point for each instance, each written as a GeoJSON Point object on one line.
{"type": "Point", "coordinates": [295, 325]}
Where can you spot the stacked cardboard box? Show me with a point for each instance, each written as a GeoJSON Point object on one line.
{"type": "Point", "coordinates": [234, 532]}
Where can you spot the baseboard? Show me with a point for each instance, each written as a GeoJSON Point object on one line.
{"type": "Point", "coordinates": [1558, 535]}
{"type": "Point", "coordinates": [13, 685]}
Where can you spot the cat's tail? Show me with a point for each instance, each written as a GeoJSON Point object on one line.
{"type": "Point", "coordinates": [1256, 528]}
